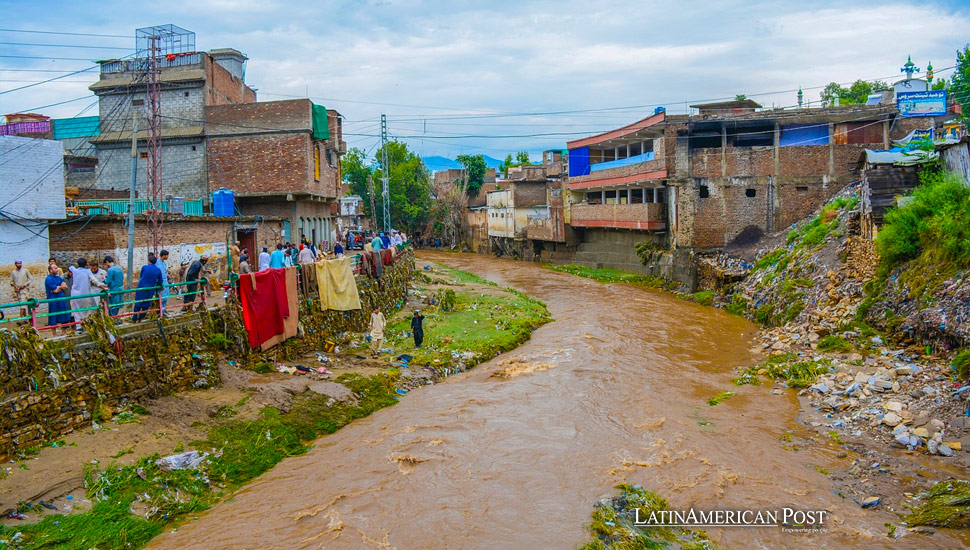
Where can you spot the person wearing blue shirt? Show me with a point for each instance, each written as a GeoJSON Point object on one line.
{"type": "Point", "coordinates": [55, 287]}
{"type": "Point", "coordinates": [276, 258]}
{"type": "Point", "coordinates": [385, 240]}
{"type": "Point", "coordinates": [115, 281]}
{"type": "Point", "coordinates": [377, 244]}
{"type": "Point", "coordinates": [148, 282]}
{"type": "Point", "coordinates": [162, 266]}
{"type": "Point", "coordinates": [338, 250]}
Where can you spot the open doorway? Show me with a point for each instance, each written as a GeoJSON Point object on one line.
{"type": "Point", "coordinates": [247, 242]}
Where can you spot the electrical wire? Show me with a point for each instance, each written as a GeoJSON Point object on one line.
{"type": "Point", "coordinates": [31, 31]}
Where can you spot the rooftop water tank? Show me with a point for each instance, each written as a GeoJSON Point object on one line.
{"type": "Point", "coordinates": [224, 203]}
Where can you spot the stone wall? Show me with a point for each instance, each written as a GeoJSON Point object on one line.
{"type": "Point", "coordinates": [49, 388]}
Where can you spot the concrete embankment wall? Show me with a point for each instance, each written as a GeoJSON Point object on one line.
{"type": "Point", "coordinates": [49, 388]}
{"type": "Point", "coordinates": [616, 249]}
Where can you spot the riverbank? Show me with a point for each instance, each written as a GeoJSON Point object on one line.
{"type": "Point", "coordinates": [880, 403]}
{"type": "Point", "coordinates": [106, 487]}
{"type": "Point", "coordinates": [874, 370]}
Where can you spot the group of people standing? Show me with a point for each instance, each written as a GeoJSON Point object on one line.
{"type": "Point", "coordinates": [89, 278]}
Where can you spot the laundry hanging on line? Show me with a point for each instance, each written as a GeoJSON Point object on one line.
{"type": "Point", "coordinates": [291, 322]}
{"type": "Point", "coordinates": [264, 304]}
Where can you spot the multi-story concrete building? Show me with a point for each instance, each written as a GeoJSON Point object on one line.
{"type": "Point", "coordinates": [190, 81]}
{"type": "Point", "coordinates": [282, 159]}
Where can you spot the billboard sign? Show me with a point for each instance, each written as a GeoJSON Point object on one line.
{"type": "Point", "coordinates": [932, 103]}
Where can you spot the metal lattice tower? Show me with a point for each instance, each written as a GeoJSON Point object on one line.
{"type": "Point", "coordinates": [154, 143]}
{"type": "Point", "coordinates": [385, 173]}
{"type": "Point", "coordinates": [153, 47]}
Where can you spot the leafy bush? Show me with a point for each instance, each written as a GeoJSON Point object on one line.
{"type": "Point", "coordinates": [936, 221]}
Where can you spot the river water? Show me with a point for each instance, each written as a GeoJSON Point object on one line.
{"type": "Point", "coordinates": [479, 463]}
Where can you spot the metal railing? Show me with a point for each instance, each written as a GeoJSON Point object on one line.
{"type": "Point", "coordinates": [103, 301]}
{"type": "Point", "coordinates": [120, 206]}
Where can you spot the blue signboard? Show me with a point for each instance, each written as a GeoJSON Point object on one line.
{"type": "Point", "coordinates": [931, 103]}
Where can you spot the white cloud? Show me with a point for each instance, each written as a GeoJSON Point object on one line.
{"type": "Point", "coordinates": [465, 57]}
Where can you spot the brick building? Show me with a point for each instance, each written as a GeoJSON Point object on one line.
{"type": "Point", "coordinates": [282, 159]}
{"type": "Point", "coordinates": [190, 81]}
{"type": "Point", "coordinates": [695, 183]}
{"type": "Point", "coordinates": [186, 238]}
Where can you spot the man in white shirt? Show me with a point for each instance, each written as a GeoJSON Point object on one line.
{"type": "Point", "coordinates": [264, 259]}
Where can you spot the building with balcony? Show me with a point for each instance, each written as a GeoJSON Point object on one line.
{"type": "Point", "coordinates": [728, 173]}
{"type": "Point", "coordinates": [282, 159]}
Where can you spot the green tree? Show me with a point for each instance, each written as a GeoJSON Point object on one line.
{"type": "Point", "coordinates": [740, 97]}
{"type": "Point", "coordinates": [409, 184]}
{"type": "Point", "coordinates": [522, 157]}
{"type": "Point", "coordinates": [941, 84]}
{"type": "Point", "coordinates": [960, 82]}
{"type": "Point", "coordinates": [354, 168]}
{"type": "Point", "coordinates": [855, 94]}
{"type": "Point", "coordinates": [475, 169]}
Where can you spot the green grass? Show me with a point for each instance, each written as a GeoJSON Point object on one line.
{"type": "Point", "coordinates": [835, 344]}
{"type": "Point", "coordinates": [946, 504]}
{"type": "Point", "coordinates": [609, 275]}
{"type": "Point", "coordinates": [933, 227]}
{"type": "Point", "coordinates": [814, 232]}
{"type": "Point", "coordinates": [617, 531]}
{"type": "Point", "coordinates": [704, 298]}
{"type": "Point", "coordinates": [720, 398]}
{"type": "Point", "coordinates": [787, 367]}
{"type": "Point", "coordinates": [483, 324]}
{"type": "Point", "coordinates": [770, 259]}
{"type": "Point", "coordinates": [961, 363]}
{"type": "Point", "coordinates": [241, 450]}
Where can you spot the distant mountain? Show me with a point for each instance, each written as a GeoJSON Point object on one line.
{"type": "Point", "coordinates": [437, 163]}
{"type": "Point", "coordinates": [491, 162]}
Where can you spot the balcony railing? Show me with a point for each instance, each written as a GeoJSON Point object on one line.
{"type": "Point", "coordinates": [644, 216]}
{"type": "Point", "coordinates": [635, 159]}
{"type": "Point", "coordinates": [174, 60]}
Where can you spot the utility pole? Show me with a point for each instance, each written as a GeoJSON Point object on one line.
{"type": "Point", "coordinates": [131, 198]}
{"type": "Point", "coordinates": [370, 193]}
{"type": "Point", "coordinates": [385, 169]}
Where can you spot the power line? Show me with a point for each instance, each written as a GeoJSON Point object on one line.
{"type": "Point", "coordinates": [47, 57]}
{"type": "Point", "coordinates": [42, 45]}
{"type": "Point", "coordinates": [66, 33]}
{"type": "Point", "coordinates": [45, 81]}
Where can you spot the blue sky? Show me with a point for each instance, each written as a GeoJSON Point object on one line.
{"type": "Point", "coordinates": [448, 74]}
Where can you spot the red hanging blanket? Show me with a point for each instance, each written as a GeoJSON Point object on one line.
{"type": "Point", "coordinates": [264, 304]}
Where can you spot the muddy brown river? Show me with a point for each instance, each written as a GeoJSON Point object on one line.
{"type": "Point", "coordinates": [482, 463]}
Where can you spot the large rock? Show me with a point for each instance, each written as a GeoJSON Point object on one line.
{"type": "Point", "coordinates": [891, 419]}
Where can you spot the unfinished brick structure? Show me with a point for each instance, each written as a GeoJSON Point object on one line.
{"type": "Point", "coordinates": [280, 162]}
{"type": "Point", "coordinates": [190, 82]}
{"type": "Point", "coordinates": [695, 183]}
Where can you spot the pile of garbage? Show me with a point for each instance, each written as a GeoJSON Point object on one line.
{"type": "Point", "coordinates": [900, 398]}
